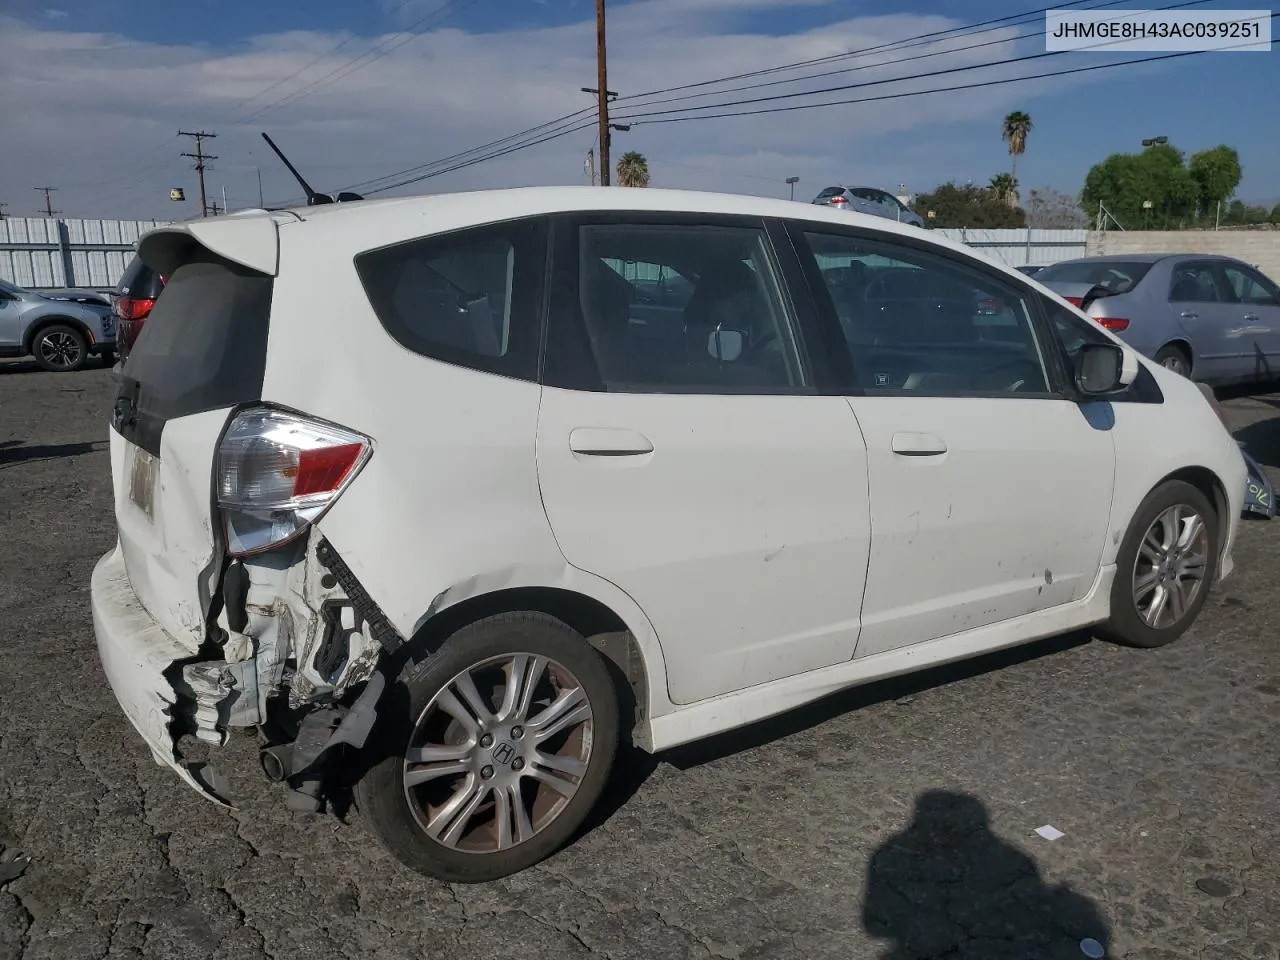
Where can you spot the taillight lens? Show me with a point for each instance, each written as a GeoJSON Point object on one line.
{"type": "Point", "coordinates": [133, 308]}
{"type": "Point", "coordinates": [1113, 323]}
{"type": "Point", "coordinates": [1075, 301]}
{"type": "Point", "coordinates": [278, 473]}
{"type": "Point", "coordinates": [839, 201]}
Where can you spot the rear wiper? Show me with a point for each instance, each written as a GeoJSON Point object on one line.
{"type": "Point", "coordinates": [313, 198]}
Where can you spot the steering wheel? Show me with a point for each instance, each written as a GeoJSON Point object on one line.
{"type": "Point", "coordinates": [1012, 386]}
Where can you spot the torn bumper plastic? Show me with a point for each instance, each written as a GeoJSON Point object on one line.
{"type": "Point", "coordinates": [136, 652]}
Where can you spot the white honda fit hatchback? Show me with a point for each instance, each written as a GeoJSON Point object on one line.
{"type": "Point", "coordinates": [445, 496]}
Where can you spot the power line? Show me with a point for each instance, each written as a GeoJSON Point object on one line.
{"type": "Point", "coordinates": [328, 53]}
{"type": "Point", "coordinates": [831, 58]}
{"type": "Point", "coordinates": [899, 60]}
{"type": "Point", "coordinates": [944, 71]}
{"type": "Point", "coordinates": [351, 66]}
{"type": "Point", "coordinates": [962, 86]}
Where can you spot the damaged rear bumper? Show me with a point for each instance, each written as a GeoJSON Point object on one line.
{"type": "Point", "coordinates": [295, 628]}
{"type": "Point", "coordinates": [136, 653]}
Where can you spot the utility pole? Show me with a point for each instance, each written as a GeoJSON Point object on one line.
{"type": "Point", "coordinates": [591, 165]}
{"type": "Point", "coordinates": [200, 157]}
{"type": "Point", "coordinates": [48, 203]}
{"type": "Point", "coordinates": [2, 206]}
{"type": "Point", "coordinates": [602, 91]}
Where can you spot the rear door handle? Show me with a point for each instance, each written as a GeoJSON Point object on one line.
{"type": "Point", "coordinates": [918, 445]}
{"type": "Point", "coordinates": [1251, 318]}
{"type": "Point", "coordinates": [608, 442]}
{"type": "Point", "coordinates": [1188, 315]}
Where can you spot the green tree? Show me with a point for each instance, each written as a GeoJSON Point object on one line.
{"type": "Point", "coordinates": [1217, 174]}
{"type": "Point", "coordinates": [1124, 181]}
{"type": "Point", "coordinates": [1014, 132]}
{"type": "Point", "coordinates": [633, 170]}
{"type": "Point", "coordinates": [968, 206]}
{"type": "Point", "coordinates": [1275, 214]}
{"type": "Point", "coordinates": [1005, 187]}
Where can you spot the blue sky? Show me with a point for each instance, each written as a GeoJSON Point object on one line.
{"type": "Point", "coordinates": [123, 75]}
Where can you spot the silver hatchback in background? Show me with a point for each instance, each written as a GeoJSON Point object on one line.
{"type": "Point", "coordinates": [868, 200]}
{"type": "Point", "coordinates": [1212, 318]}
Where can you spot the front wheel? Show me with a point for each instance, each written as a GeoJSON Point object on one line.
{"type": "Point", "coordinates": [1165, 566]}
{"type": "Point", "coordinates": [60, 348]}
{"type": "Point", "coordinates": [505, 744]}
{"type": "Point", "coordinates": [1175, 359]}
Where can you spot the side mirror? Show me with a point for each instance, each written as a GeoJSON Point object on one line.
{"type": "Point", "coordinates": [725, 345]}
{"type": "Point", "coordinates": [1100, 369]}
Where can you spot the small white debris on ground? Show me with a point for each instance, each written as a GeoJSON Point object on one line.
{"type": "Point", "coordinates": [1050, 832]}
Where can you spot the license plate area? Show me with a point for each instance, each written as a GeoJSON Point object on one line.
{"type": "Point", "coordinates": [143, 471]}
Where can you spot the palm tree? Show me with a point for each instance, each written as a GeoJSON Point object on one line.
{"type": "Point", "coordinates": [633, 170]}
{"type": "Point", "coordinates": [1005, 188]}
{"type": "Point", "coordinates": [1014, 132]}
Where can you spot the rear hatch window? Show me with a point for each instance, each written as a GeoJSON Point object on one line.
{"type": "Point", "coordinates": [139, 281]}
{"type": "Point", "coordinates": [204, 347]}
{"type": "Point", "coordinates": [1114, 276]}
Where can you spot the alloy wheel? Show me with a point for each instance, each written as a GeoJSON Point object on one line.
{"type": "Point", "coordinates": [60, 350]}
{"type": "Point", "coordinates": [1169, 570]}
{"type": "Point", "coordinates": [498, 753]}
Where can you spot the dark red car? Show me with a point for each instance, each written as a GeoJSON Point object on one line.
{"type": "Point", "coordinates": [135, 296]}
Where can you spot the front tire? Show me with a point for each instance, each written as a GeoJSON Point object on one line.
{"type": "Point", "coordinates": [1175, 359]}
{"type": "Point", "coordinates": [1166, 565]}
{"type": "Point", "coordinates": [505, 746]}
{"type": "Point", "coordinates": [60, 348]}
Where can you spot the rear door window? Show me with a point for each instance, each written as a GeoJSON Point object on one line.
{"type": "Point", "coordinates": [470, 298]}
{"type": "Point", "coordinates": [139, 281]}
{"type": "Point", "coordinates": [1197, 282]}
{"type": "Point", "coordinates": [204, 347]}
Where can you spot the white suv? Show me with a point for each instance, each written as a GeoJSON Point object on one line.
{"type": "Point", "coordinates": [428, 493]}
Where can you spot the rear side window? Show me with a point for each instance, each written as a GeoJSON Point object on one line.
{"type": "Point", "coordinates": [469, 298]}
{"type": "Point", "coordinates": [203, 347]}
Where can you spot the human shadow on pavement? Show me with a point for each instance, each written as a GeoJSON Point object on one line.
{"type": "Point", "coordinates": [946, 886]}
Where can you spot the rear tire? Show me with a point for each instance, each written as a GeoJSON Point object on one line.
{"type": "Point", "coordinates": [1165, 568]}
{"type": "Point", "coordinates": [60, 348]}
{"type": "Point", "coordinates": [1174, 358]}
{"type": "Point", "coordinates": [478, 796]}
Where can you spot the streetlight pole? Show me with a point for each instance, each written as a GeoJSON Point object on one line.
{"type": "Point", "coordinates": [791, 182]}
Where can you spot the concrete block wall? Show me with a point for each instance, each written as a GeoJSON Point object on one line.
{"type": "Point", "coordinates": [1260, 247]}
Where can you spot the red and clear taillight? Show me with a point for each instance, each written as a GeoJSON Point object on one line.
{"type": "Point", "coordinates": [1114, 324]}
{"type": "Point", "coordinates": [839, 202]}
{"type": "Point", "coordinates": [133, 308]}
{"type": "Point", "coordinates": [278, 473]}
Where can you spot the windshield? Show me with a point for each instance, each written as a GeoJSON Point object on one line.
{"type": "Point", "coordinates": [1114, 276]}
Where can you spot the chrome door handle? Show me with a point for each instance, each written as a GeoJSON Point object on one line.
{"type": "Point", "coordinates": [1250, 317]}
{"type": "Point", "coordinates": [918, 445]}
{"type": "Point", "coordinates": [1188, 315]}
{"type": "Point", "coordinates": [608, 442]}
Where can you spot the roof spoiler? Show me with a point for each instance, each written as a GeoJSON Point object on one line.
{"type": "Point", "coordinates": [252, 242]}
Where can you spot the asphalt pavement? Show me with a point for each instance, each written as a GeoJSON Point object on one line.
{"type": "Point", "coordinates": [898, 820]}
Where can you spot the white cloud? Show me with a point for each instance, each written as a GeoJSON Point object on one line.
{"type": "Point", "coordinates": [98, 113]}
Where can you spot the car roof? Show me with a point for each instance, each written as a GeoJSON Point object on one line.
{"type": "Point", "coordinates": [361, 225]}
